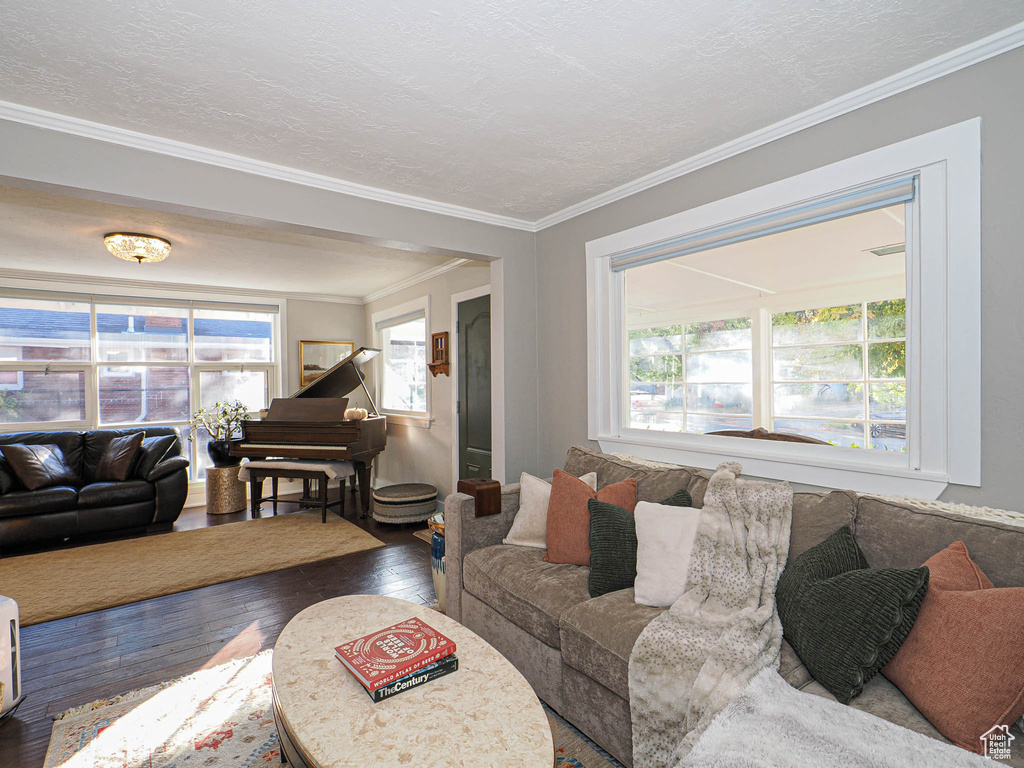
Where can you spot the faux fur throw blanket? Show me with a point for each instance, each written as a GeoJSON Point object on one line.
{"type": "Point", "coordinates": [693, 659]}
{"type": "Point", "coordinates": [773, 725]}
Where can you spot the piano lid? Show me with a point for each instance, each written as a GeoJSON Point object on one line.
{"type": "Point", "coordinates": [342, 378]}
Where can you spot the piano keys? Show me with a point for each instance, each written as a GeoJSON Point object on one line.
{"type": "Point", "coordinates": [311, 424]}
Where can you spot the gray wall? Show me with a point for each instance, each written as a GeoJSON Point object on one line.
{"type": "Point", "coordinates": [415, 454]}
{"type": "Point", "coordinates": [69, 164]}
{"type": "Point", "coordinates": [993, 89]}
{"type": "Point", "coordinates": [318, 321]}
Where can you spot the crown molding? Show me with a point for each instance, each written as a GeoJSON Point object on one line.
{"type": "Point", "coordinates": [54, 121]}
{"type": "Point", "coordinates": [965, 56]}
{"type": "Point", "coordinates": [414, 280]}
{"type": "Point", "coordinates": [123, 284]}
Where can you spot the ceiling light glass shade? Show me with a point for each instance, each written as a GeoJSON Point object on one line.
{"type": "Point", "coordinates": [131, 246]}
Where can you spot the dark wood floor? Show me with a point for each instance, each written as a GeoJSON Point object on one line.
{"type": "Point", "coordinates": [79, 659]}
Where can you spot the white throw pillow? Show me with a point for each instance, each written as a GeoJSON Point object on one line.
{"type": "Point", "coordinates": [530, 527]}
{"type": "Point", "coordinates": [664, 538]}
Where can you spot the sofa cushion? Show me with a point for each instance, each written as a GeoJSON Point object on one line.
{"type": "Point", "coordinates": [62, 498]}
{"type": "Point", "coordinates": [118, 458]}
{"type": "Point", "coordinates": [613, 548]}
{"type": "Point", "coordinates": [568, 535]}
{"type": "Point", "coordinates": [527, 591]}
{"type": "Point", "coordinates": [962, 664]}
{"type": "Point", "coordinates": [882, 698]}
{"type": "Point", "coordinates": [530, 526]}
{"type": "Point", "coordinates": [792, 669]}
{"type": "Point", "coordinates": [8, 480]}
{"type": "Point", "coordinates": [598, 635]}
{"type": "Point", "coordinates": [653, 483]}
{"type": "Point", "coordinates": [843, 619]}
{"type": "Point", "coordinates": [104, 494]}
{"type": "Point", "coordinates": [39, 466]}
{"type": "Point", "coordinates": [70, 444]}
{"type": "Point", "coordinates": [902, 536]}
{"type": "Point", "coordinates": [151, 452]}
{"type": "Point", "coordinates": [816, 516]}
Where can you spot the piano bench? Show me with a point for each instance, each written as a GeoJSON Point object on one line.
{"type": "Point", "coordinates": [321, 471]}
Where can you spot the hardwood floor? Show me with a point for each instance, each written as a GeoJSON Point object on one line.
{"type": "Point", "coordinates": [79, 659]}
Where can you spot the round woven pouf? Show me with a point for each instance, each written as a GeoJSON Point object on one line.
{"type": "Point", "coordinates": [404, 503]}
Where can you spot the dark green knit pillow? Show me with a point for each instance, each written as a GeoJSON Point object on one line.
{"type": "Point", "coordinates": [613, 544]}
{"type": "Point", "coordinates": [845, 620]}
{"type": "Point", "coordinates": [680, 498]}
{"type": "Point", "coordinates": [612, 548]}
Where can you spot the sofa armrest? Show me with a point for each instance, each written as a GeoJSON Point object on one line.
{"type": "Point", "coordinates": [167, 467]}
{"type": "Point", "coordinates": [171, 493]}
{"type": "Point", "coordinates": [464, 532]}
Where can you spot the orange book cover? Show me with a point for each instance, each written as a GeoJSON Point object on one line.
{"type": "Point", "coordinates": [393, 652]}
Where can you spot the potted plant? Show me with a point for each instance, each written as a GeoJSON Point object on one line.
{"type": "Point", "coordinates": [223, 420]}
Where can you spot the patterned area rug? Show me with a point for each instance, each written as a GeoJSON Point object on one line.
{"type": "Point", "coordinates": [216, 718]}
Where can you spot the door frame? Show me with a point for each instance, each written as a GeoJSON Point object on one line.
{"type": "Point", "coordinates": [453, 354]}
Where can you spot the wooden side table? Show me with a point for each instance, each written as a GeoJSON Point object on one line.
{"type": "Point", "coordinates": [225, 493]}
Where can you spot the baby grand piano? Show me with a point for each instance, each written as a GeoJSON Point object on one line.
{"type": "Point", "coordinates": [310, 424]}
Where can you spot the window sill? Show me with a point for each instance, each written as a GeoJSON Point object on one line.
{"type": "Point", "coordinates": [406, 420]}
{"type": "Point", "coordinates": [805, 464]}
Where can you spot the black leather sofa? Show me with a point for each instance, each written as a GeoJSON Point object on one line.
{"type": "Point", "coordinates": [151, 498]}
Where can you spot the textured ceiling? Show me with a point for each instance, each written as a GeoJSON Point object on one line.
{"type": "Point", "coordinates": [50, 233]}
{"type": "Point", "coordinates": [518, 107]}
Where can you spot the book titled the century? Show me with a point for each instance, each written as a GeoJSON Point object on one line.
{"type": "Point", "coordinates": [445, 666]}
{"type": "Point", "coordinates": [384, 656]}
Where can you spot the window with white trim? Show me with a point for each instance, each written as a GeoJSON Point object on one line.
{"type": "Point", "coordinates": [402, 381]}
{"type": "Point", "coordinates": [816, 307]}
{"type": "Point", "coordinates": [94, 362]}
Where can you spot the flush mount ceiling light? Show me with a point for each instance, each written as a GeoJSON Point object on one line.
{"type": "Point", "coordinates": [132, 246]}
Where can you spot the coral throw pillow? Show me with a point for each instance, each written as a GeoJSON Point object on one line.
{"type": "Point", "coordinates": [962, 664]}
{"type": "Point", "coordinates": [568, 536]}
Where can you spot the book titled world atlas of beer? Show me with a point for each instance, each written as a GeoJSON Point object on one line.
{"type": "Point", "coordinates": [394, 652]}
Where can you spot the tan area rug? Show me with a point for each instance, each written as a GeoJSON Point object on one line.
{"type": "Point", "coordinates": [67, 582]}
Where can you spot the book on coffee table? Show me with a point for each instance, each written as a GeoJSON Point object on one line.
{"type": "Point", "coordinates": [391, 653]}
{"type": "Point", "coordinates": [445, 666]}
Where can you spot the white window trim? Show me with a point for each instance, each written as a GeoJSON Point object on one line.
{"type": "Point", "coordinates": [944, 400]}
{"type": "Point", "coordinates": [405, 418]}
{"type": "Point", "coordinates": [100, 293]}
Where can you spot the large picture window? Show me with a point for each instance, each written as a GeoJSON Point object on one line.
{"type": "Point", "coordinates": [74, 364]}
{"type": "Point", "coordinates": [815, 328]}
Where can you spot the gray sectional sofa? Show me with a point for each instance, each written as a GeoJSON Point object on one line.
{"type": "Point", "coordinates": [575, 650]}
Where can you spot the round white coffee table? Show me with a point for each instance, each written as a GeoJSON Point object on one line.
{"type": "Point", "coordinates": [485, 714]}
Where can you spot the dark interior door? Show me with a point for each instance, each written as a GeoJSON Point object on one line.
{"type": "Point", "coordinates": [473, 329]}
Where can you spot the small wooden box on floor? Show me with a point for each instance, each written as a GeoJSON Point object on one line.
{"type": "Point", "coordinates": [225, 493]}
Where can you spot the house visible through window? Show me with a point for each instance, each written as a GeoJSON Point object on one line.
{"type": "Point", "coordinates": [402, 373]}
{"type": "Point", "coordinates": [145, 363]}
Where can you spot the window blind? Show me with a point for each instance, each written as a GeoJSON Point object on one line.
{"type": "Point", "coordinates": [138, 301]}
{"type": "Point", "coordinates": [399, 319]}
{"type": "Point", "coordinates": [825, 209]}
